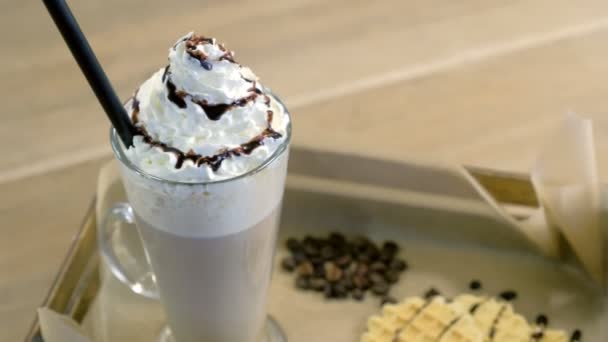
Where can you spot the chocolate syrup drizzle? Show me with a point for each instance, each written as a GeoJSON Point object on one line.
{"type": "Point", "coordinates": [214, 112]}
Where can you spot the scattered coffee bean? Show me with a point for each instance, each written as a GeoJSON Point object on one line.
{"type": "Point", "coordinates": [319, 270]}
{"type": "Point", "coordinates": [305, 269]}
{"type": "Point", "coordinates": [332, 272]}
{"type": "Point", "coordinates": [576, 336]}
{"type": "Point", "coordinates": [317, 260]}
{"type": "Point", "coordinates": [358, 294]}
{"type": "Point", "coordinates": [347, 282]}
{"type": "Point", "coordinates": [390, 247]}
{"type": "Point", "coordinates": [475, 285]}
{"type": "Point", "coordinates": [378, 266]}
{"type": "Point", "coordinates": [388, 300]}
{"type": "Point", "coordinates": [302, 282]}
{"type": "Point", "coordinates": [293, 245]}
{"type": "Point", "coordinates": [344, 261]}
{"type": "Point", "coordinates": [362, 269]}
{"type": "Point", "coordinates": [299, 256]}
{"type": "Point", "coordinates": [317, 284]}
{"type": "Point", "coordinates": [386, 257]}
{"type": "Point", "coordinates": [508, 295]}
{"type": "Point", "coordinates": [380, 289]}
{"type": "Point", "coordinates": [542, 320]}
{"type": "Point", "coordinates": [359, 241]}
{"type": "Point", "coordinates": [288, 264]}
{"type": "Point", "coordinates": [311, 250]}
{"type": "Point", "coordinates": [329, 291]}
{"type": "Point", "coordinates": [361, 282]}
{"type": "Point", "coordinates": [376, 278]}
{"type": "Point", "coordinates": [336, 239]}
{"type": "Point", "coordinates": [328, 252]}
{"type": "Point", "coordinates": [340, 290]}
{"type": "Point", "coordinates": [391, 277]}
{"type": "Point", "coordinates": [432, 292]}
{"type": "Point", "coordinates": [398, 265]}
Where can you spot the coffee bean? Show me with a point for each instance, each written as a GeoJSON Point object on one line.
{"type": "Point", "coordinates": [305, 269]}
{"type": "Point", "coordinates": [358, 294]}
{"type": "Point", "coordinates": [309, 240]}
{"type": "Point", "coordinates": [352, 268]}
{"type": "Point", "coordinates": [398, 265]}
{"type": "Point", "coordinates": [376, 278]}
{"type": "Point", "coordinates": [362, 269]}
{"type": "Point", "coordinates": [317, 260]}
{"type": "Point", "coordinates": [344, 261]}
{"type": "Point", "coordinates": [430, 293]}
{"type": "Point", "coordinates": [391, 276]}
{"type": "Point", "coordinates": [299, 257]}
{"type": "Point", "coordinates": [361, 282]}
{"type": "Point", "coordinates": [359, 241]}
{"type": "Point", "coordinates": [329, 291]}
{"type": "Point", "coordinates": [336, 239]}
{"type": "Point", "coordinates": [302, 282]}
{"type": "Point", "coordinates": [288, 264]}
{"type": "Point", "coordinates": [372, 253]}
{"type": "Point", "coordinates": [311, 250]}
{"type": "Point", "coordinates": [328, 252]}
{"type": "Point", "coordinates": [390, 247]}
{"type": "Point", "coordinates": [332, 272]}
{"type": "Point", "coordinates": [380, 289]}
{"type": "Point", "coordinates": [364, 258]}
{"type": "Point", "coordinates": [388, 300]}
{"type": "Point", "coordinates": [378, 266]}
{"type": "Point", "coordinates": [386, 257]}
{"type": "Point", "coordinates": [508, 295]}
{"type": "Point", "coordinates": [542, 320]}
{"type": "Point", "coordinates": [319, 270]}
{"type": "Point", "coordinates": [347, 282]}
{"type": "Point", "coordinates": [475, 285]}
{"type": "Point", "coordinates": [340, 290]}
{"type": "Point", "coordinates": [293, 245]}
{"type": "Point", "coordinates": [317, 284]}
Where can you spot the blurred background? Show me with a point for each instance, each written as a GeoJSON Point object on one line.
{"type": "Point", "coordinates": [476, 82]}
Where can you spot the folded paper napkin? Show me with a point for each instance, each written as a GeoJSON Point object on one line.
{"type": "Point", "coordinates": [60, 328]}
{"type": "Point", "coordinates": [565, 178]}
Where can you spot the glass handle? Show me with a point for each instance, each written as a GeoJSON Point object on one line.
{"type": "Point", "coordinates": [121, 248]}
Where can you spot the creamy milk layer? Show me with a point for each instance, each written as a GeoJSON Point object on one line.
{"type": "Point", "coordinates": [204, 117]}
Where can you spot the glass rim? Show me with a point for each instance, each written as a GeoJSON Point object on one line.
{"type": "Point", "coordinates": [119, 153]}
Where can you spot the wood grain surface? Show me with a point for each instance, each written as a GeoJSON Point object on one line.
{"type": "Point", "coordinates": [472, 81]}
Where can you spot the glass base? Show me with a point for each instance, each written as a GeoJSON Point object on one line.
{"type": "Point", "coordinates": [272, 332]}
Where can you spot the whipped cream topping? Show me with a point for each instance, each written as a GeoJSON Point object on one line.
{"type": "Point", "coordinates": [204, 117]}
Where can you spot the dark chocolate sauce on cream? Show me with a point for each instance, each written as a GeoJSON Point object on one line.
{"type": "Point", "coordinates": [214, 161]}
{"type": "Point", "coordinates": [213, 111]}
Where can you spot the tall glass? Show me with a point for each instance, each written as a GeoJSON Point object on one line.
{"type": "Point", "coordinates": [210, 245]}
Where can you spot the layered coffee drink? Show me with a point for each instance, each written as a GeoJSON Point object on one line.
{"type": "Point", "coordinates": [205, 178]}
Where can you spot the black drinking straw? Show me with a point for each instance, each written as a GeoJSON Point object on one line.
{"type": "Point", "coordinates": [82, 52]}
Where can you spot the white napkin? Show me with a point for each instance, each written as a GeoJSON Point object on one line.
{"type": "Point", "coordinates": [565, 178]}
{"type": "Point", "coordinates": [59, 328]}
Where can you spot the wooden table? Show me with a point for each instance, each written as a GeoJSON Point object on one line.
{"type": "Point", "coordinates": [472, 81]}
